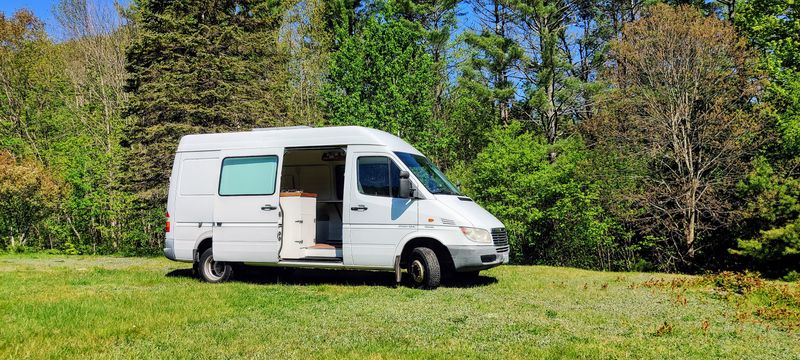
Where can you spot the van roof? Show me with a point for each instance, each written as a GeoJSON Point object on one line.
{"type": "Point", "coordinates": [294, 137]}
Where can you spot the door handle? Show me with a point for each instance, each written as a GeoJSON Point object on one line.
{"type": "Point", "coordinates": [268, 207]}
{"type": "Point", "coordinates": [358, 208]}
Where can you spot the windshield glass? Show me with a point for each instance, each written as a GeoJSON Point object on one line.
{"type": "Point", "coordinates": [430, 176]}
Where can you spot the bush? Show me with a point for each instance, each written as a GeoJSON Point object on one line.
{"type": "Point", "coordinates": [28, 194]}
{"type": "Point", "coordinates": [771, 228]}
{"type": "Point", "coordinates": [551, 212]}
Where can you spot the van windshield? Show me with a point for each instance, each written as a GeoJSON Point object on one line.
{"type": "Point", "coordinates": [430, 176]}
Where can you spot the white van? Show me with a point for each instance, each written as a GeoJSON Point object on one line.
{"type": "Point", "coordinates": [334, 197]}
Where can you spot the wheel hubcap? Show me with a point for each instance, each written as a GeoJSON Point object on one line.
{"type": "Point", "coordinates": [417, 271]}
{"type": "Point", "coordinates": [213, 269]}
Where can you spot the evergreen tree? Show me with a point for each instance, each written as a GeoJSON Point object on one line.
{"type": "Point", "coordinates": [437, 19]}
{"type": "Point", "coordinates": [383, 78]}
{"type": "Point", "coordinates": [772, 190]}
{"type": "Point", "coordinates": [495, 53]}
{"type": "Point", "coordinates": [197, 67]}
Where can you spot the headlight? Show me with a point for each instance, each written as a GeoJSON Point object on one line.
{"type": "Point", "coordinates": [477, 235]}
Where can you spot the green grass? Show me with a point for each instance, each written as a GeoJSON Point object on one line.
{"type": "Point", "coordinates": [61, 306]}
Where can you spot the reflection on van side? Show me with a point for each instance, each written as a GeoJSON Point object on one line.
{"type": "Point", "coordinates": [335, 197]}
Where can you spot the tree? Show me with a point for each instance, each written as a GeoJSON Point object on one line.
{"type": "Point", "coordinates": [306, 42]}
{"type": "Point", "coordinates": [29, 84]}
{"type": "Point", "coordinates": [342, 18]}
{"type": "Point", "coordinates": [770, 231]}
{"type": "Point", "coordinates": [494, 54]}
{"type": "Point", "coordinates": [28, 194]}
{"type": "Point", "coordinates": [774, 28]}
{"type": "Point", "coordinates": [383, 78]}
{"type": "Point", "coordinates": [549, 209]}
{"type": "Point", "coordinates": [772, 190]}
{"type": "Point", "coordinates": [546, 68]}
{"type": "Point", "coordinates": [96, 37]}
{"type": "Point", "coordinates": [197, 67]}
{"type": "Point", "coordinates": [682, 100]}
{"type": "Point", "coordinates": [437, 18]}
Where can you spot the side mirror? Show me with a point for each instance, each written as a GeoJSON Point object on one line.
{"type": "Point", "coordinates": [405, 184]}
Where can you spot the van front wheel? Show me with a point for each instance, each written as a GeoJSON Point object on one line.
{"type": "Point", "coordinates": [424, 269]}
{"type": "Point", "coordinates": [213, 271]}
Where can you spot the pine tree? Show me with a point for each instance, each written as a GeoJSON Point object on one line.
{"type": "Point", "coordinates": [495, 53]}
{"type": "Point", "coordinates": [197, 67]}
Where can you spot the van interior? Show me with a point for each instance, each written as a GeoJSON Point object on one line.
{"type": "Point", "coordinates": [320, 172]}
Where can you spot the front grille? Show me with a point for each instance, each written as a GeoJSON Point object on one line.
{"type": "Point", "coordinates": [500, 238]}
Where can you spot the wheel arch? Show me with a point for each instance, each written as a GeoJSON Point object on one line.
{"type": "Point", "coordinates": [441, 251]}
{"type": "Point", "coordinates": [201, 246]}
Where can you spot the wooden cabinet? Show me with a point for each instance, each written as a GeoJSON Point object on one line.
{"type": "Point", "coordinates": [299, 217]}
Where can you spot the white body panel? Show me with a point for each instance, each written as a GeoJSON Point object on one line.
{"type": "Point", "coordinates": [192, 215]}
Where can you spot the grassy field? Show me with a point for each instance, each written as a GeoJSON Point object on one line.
{"type": "Point", "coordinates": [56, 307]}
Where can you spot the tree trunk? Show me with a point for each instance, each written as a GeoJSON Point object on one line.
{"type": "Point", "coordinates": [691, 227]}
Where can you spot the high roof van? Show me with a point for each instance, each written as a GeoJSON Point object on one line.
{"type": "Point", "coordinates": [333, 197]}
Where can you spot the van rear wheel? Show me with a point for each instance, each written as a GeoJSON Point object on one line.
{"type": "Point", "coordinates": [424, 269]}
{"type": "Point", "coordinates": [213, 271]}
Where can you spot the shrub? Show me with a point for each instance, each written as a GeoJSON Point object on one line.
{"type": "Point", "coordinates": [28, 194]}
{"type": "Point", "coordinates": [551, 212]}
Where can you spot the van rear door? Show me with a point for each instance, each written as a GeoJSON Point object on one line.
{"type": "Point", "coordinates": [246, 209]}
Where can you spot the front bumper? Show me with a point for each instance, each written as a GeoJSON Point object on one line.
{"type": "Point", "coordinates": [476, 257]}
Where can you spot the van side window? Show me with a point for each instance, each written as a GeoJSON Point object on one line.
{"type": "Point", "coordinates": [378, 176]}
{"type": "Point", "coordinates": [252, 175]}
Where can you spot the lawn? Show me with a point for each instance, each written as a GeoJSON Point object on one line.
{"type": "Point", "coordinates": [91, 306]}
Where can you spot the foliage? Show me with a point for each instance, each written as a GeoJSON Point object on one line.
{"type": "Point", "coordinates": [27, 195]}
{"type": "Point", "coordinates": [197, 67]}
{"type": "Point", "coordinates": [382, 78]}
{"type": "Point", "coordinates": [683, 86]}
{"type": "Point", "coordinates": [772, 191]}
{"type": "Point", "coordinates": [591, 92]}
{"type": "Point", "coordinates": [551, 212]}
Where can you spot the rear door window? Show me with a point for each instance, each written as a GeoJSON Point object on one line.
{"type": "Point", "coordinates": [253, 175]}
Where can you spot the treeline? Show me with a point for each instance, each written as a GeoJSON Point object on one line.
{"type": "Point", "coordinates": [609, 134]}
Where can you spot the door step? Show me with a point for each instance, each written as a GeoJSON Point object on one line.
{"type": "Point", "coordinates": [322, 251]}
{"type": "Point", "coordinates": [314, 259]}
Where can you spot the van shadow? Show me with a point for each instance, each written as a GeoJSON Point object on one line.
{"type": "Point", "coordinates": [296, 276]}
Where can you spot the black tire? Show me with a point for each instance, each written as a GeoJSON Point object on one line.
{"type": "Point", "coordinates": [424, 269]}
{"type": "Point", "coordinates": [213, 271]}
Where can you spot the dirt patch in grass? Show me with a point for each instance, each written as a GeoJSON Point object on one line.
{"type": "Point", "coordinates": [756, 299]}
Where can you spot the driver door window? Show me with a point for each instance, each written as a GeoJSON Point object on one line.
{"type": "Point", "coordinates": [378, 176]}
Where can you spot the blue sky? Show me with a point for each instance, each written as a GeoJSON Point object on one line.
{"type": "Point", "coordinates": [43, 9]}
